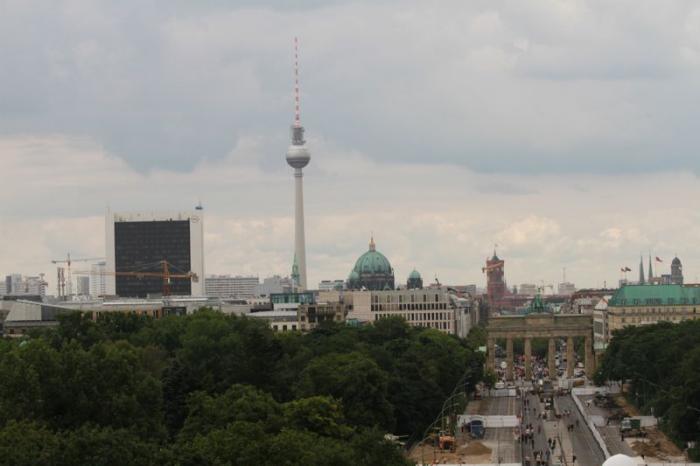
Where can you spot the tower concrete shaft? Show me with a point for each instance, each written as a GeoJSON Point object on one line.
{"type": "Point", "coordinates": [299, 235]}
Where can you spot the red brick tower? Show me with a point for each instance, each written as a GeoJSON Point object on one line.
{"type": "Point", "coordinates": [495, 284]}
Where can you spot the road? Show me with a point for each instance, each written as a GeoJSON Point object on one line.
{"type": "Point", "coordinates": [586, 449]}
{"type": "Point", "coordinates": [532, 416]}
{"type": "Point", "coordinates": [501, 440]}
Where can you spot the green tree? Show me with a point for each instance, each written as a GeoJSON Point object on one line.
{"type": "Point", "coordinates": [239, 403]}
{"type": "Point", "coordinates": [356, 381]}
{"type": "Point", "coordinates": [26, 443]}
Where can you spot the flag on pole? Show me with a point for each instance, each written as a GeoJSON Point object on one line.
{"type": "Point", "coordinates": [627, 269]}
{"type": "Point", "coordinates": [658, 259]}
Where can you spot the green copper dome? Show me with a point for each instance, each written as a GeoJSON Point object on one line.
{"type": "Point", "coordinates": [372, 271]}
{"type": "Point", "coordinates": [414, 275]}
{"type": "Point", "coordinates": [372, 262]}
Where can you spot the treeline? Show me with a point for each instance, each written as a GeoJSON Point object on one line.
{"type": "Point", "coordinates": [662, 363]}
{"type": "Point", "coordinates": [209, 389]}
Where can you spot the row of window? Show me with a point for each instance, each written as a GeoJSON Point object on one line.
{"type": "Point", "coordinates": [438, 325]}
{"type": "Point", "coordinates": [284, 327]}
{"type": "Point", "coordinates": [420, 316]}
{"type": "Point", "coordinates": [409, 307]}
{"type": "Point", "coordinates": [653, 319]}
{"type": "Point", "coordinates": [659, 310]}
{"type": "Point", "coordinates": [390, 298]}
{"type": "Point", "coordinates": [658, 301]}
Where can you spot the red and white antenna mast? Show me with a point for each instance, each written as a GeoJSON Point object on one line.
{"type": "Point", "coordinates": [297, 106]}
{"type": "Point", "coordinates": [297, 129]}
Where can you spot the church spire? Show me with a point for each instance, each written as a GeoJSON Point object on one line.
{"type": "Point", "coordinates": [372, 246]}
{"type": "Point", "coordinates": [295, 271]}
{"type": "Point", "coordinates": [651, 272]}
{"type": "Point", "coordinates": [641, 270]}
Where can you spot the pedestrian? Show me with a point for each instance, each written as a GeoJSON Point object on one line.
{"type": "Point", "coordinates": [573, 459]}
{"type": "Point", "coordinates": [554, 444]}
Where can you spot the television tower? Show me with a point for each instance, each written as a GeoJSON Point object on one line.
{"type": "Point", "coordinates": [298, 157]}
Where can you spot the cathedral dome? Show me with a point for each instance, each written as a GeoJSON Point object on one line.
{"type": "Point", "coordinates": [372, 271]}
{"type": "Point", "coordinates": [414, 275]}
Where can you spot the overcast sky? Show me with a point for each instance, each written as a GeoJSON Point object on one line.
{"type": "Point", "coordinates": [564, 131]}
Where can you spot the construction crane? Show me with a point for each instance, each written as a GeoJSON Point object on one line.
{"type": "Point", "coordinates": [165, 274]}
{"type": "Point", "coordinates": [64, 283]}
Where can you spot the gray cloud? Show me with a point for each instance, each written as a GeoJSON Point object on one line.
{"type": "Point", "coordinates": [536, 87]}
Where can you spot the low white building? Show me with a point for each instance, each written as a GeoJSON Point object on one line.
{"type": "Point", "coordinates": [274, 284]}
{"type": "Point", "coordinates": [226, 286]}
{"type": "Point", "coordinates": [566, 289]}
{"type": "Point", "coordinates": [331, 285]}
{"type": "Point", "coordinates": [427, 307]}
{"type": "Point", "coordinates": [528, 289]}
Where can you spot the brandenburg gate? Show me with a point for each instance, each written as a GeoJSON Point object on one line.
{"type": "Point", "coordinates": [546, 326]}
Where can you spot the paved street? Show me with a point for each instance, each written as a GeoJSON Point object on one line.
{"type": "Point", "coordinates": [501, 440]}
{"type": "Point", "coordinates": [586, 449]}
{"type": "Point", "coordinates": [532, 416]}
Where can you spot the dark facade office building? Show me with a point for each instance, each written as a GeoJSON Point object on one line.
{"type": "Point", "coordinates": [140, 242]}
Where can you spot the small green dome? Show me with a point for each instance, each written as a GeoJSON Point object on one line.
{"type": "Point", "coordinates": [414, 275]}
{"type": "Point", "coordinates": [354, 276]}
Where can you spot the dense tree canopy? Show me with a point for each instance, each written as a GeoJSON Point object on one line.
{"type": "Point", "coordinates": [210, 389]}
{"type": "Point", "coordinates": [662, 364]}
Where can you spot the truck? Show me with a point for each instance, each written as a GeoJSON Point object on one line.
{"type": "Point", "coordinates": [631, 427]}
{"type": "Point", "coordinates": [476, 428]}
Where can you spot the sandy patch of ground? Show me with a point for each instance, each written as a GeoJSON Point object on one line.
{"type": "Point", "coordinates": [656, 447]}
{"type": "Point", "coordinates": [473, 452]}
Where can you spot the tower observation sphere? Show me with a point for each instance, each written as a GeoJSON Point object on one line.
{"type": "Point", "coordinates": [298, 155]}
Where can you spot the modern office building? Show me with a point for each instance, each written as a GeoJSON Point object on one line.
{"type": "Point", "coordinates": [274, 284]}
{"type": "Point", "coordinates": [98, 279]}
{"type": "Point", "coordinates": [17, 285]}
{"type": "Point", "coordinates": [226, 286]}
{"type": "Point", "coordinates": [82, 286]}
{"type": "Point", "coordinates": [528, 289]}
{"type": "Point", "coordinates": [141, 241]}
{"type": "Point", "coordinates": [428, 307]}
{"type": "Point", "coordinates": [330, 285]}
{"type": "Point", "coordinates": [13, 283]}
{"type": "Point", "coordinates": [564, 289]}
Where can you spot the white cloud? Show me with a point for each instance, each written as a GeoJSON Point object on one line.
{"type": "Point", "coordinates": [436, 218]}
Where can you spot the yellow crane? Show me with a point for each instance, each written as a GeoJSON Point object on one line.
{"type": "Point", "coordinates": [165, 274]}
{"type": "Point", "coordinates": [64, 283]}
